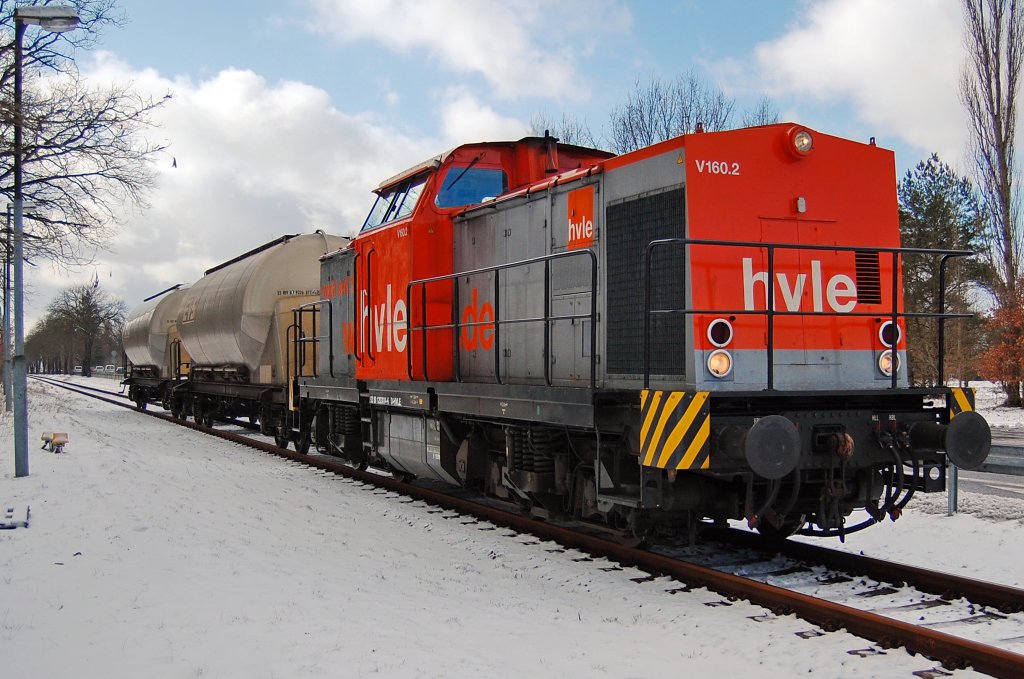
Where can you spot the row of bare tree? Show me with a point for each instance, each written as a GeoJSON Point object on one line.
{"type": "Point", "coordinates": [86, 165]}
{"type": "Point", "coordinates": [657, 110]}
{"type": "Point", "coordinates": [82, 327]}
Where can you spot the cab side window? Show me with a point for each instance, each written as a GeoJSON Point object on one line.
{"type": "Point", "coordinates": [468, 185]}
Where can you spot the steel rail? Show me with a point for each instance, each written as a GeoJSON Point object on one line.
{"type": "Point", "coordinates": [952, 651]}
{"type": "Point", "coordinates": [1002, 597]}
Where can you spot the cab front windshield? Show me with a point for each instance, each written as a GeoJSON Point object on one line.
{"type": "Point", "coordinates": [396, 202]}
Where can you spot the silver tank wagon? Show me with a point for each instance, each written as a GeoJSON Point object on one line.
{"type": "Point", "coordinates": [149, 331]}
{"type": "Point", "coordinates": [236, 322]}
{"type": "Point", "coordinates": [155, 359]}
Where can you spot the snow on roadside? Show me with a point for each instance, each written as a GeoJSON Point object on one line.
{"type": "Point", "coordinates": [158, 552]}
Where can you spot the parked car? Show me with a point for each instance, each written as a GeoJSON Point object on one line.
{"type": "Point", "coordinates": [109, 369]}
{"type": "Point", "coordinates": [120, 370]}
{"type": "Point", "coordinates": [77, 370]}
{"type": "Point", "coordinates": [97, 369]}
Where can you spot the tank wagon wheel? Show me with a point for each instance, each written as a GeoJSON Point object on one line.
{"type": "Point", "coordinates": [281, 438]}
{"type": "Point", "coordinates": [786, 529]}
{"type": "Point", "coordinates": [302, 442]}
{"type": "Point", "coordinates": [140, 403]}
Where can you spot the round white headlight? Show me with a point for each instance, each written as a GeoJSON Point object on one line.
{"type": "Point", "coordinates": [720, 363]}
{"type": "Point", "coordinates": [887, 362]}
{"type": "Point", "coordinates": [803, 142]}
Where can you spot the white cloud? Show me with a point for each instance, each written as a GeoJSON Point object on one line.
{"type": "Point", "coordinates": [254, 160]}
{"type": "Point", "coordinates": [465, 118]}
{"type": "Point", "coordinates": [522, 47]}
{"type": "Point", "coordinates": [896, 63]}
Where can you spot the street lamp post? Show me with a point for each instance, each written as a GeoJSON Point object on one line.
{"type": "Point", "coordinates": [56, 19]}
{"type": "Point", "coordinates": [8, 397]}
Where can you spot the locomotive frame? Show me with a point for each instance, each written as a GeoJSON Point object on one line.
{"type": "Point", "coordinates": [652, 459]}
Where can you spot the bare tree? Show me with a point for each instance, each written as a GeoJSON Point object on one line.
{"type": "Point", "coordinates": [661, 110]}
{"type": "Point", "coordinates": [988, 88]}
{"type": "Point", "coordinates": [89, 314]}
{"type": "Point", "coordinates": [764, 113]}
{"type": "Point", "coordinates": [85, 158]}
{"type": "Point", "coordinates": [569, 130]}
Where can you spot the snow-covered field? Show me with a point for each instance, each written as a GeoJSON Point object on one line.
{"type": "Point", "coordinates": [155, 551]}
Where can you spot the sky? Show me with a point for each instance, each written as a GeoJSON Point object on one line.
{"type": "Point", "coordinates": [285, 115]}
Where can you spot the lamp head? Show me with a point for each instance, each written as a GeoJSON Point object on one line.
{"type": "Point", "coordinates": [53, 18]}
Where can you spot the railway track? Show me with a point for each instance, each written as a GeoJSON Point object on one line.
{"type": "Point", "coordinates": [934, 614]}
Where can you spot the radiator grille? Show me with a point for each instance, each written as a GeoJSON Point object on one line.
{"type": "Point", "coordinates": [869, 282]}
{"type": "Point", "coordinates": [631, 225]}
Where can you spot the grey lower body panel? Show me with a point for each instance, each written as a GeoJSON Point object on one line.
{"type": "Point", "coordinates": [344, 391]}
{"type": "Point", "coordinates": [551, 405]}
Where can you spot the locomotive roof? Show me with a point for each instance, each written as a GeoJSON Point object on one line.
{"type": "Point", "coordinates": [436, 161]}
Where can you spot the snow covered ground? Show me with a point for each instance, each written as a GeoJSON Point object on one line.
{"type": "Point", "coordinates": [155, 551]}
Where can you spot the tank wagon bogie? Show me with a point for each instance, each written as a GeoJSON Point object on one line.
{"type": "Point", "coordinates": [708, 328]}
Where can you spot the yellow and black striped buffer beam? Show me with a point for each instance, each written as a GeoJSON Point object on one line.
{"type": "Point", "coordinates": [960, 400]}
{"type": "Point", "coordinates": [675, 429]}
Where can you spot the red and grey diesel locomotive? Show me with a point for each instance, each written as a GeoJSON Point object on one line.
{"type": "Point", "coordinates": [709, 328]}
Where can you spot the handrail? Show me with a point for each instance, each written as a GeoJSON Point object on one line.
{"type": "Point", "coordinates": [315, 309]}
{"type": "Point", "coordinates": [771, 313]}
{"type": "Point", "coordinates": [357, 326]}
{"type": "Point", "coordinates": [457, 325]}
{"type": "Point", "coordinates": [369, 304]}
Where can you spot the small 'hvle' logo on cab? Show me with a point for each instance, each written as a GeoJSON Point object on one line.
{"type": "Point", "coordinates": [581, 218]}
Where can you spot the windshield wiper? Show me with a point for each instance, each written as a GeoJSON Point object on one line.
{"type": "Point", "coordinates": [464, 171]}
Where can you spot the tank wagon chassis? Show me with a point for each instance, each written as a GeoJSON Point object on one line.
{"type": "Point", "coordinates": [786, 461]}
